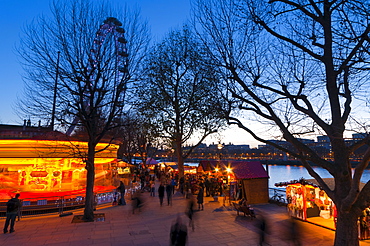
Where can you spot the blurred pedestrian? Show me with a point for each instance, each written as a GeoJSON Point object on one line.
{"type": "Point", "coordinates": [181, 185]}
{"type": "Point", "coordinates": [122, 190]}
{"type": "Point", "coordinates": [137, 201]}
{"type": "Point", "coordinates": [200, 198]}
{"type": "Point", "coordinates": [169, 194]}
{"type": "Point", "coordinates": [173, 184]}
{"type": "Point", "coordinates": [161, 193]}
{"type": "Point", "coordinates": [179, 233]}
{"type": "Point", "coordinates": [190, 211]}
{"type": "Point", "coordinates": [187, 189]}
{"type": "Point", "coordinates": [207, 184]}
{"type": "Point", "coordinates": [262, 230]}
{"type": "Point", "coordinates": [152, 188]}
{"type": "Point", "coordinates": [12, 207]}
{"type": "Point", "coordinates": [294, 232]}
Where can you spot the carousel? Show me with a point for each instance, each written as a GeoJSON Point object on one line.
{"type": "Point", "coordinates": [51, 168]}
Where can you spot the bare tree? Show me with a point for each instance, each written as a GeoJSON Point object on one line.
{"type": "Point", "coordinates": [138, 136]}
{"type": "Point", "coordinates": [179, 92]}
{"type": "Point", "coordinates": [300, 66]}
{"type": "Point", "coordinates": [79, 55]}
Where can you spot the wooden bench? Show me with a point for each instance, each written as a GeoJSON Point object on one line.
{"type": "Point", "coordinates": [247, 211]}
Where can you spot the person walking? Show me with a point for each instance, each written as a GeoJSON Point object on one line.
{"type": "Point", "coordinates": [200, 198]}
{"type": "Point", "coordinates": [161, 193]}
{"type": "Point", "coordinates": [173, 183]}
{"type": "Point", "coordinates": [122, 189]}
{"type": "Point", "coordinates": [207, 184]}
{"type": "Point", "coordinates": [169, 194]}
{"type": "Point", "coordinates": [179, 233]}
{"type": "Point", "coordinates": [12, 207]}
{"type": "Point", "coordinates": [190, 211]}
{"type": "Point", "coordinates": [137, 201]}
{"type": "Point", "coordinates": [152, 188]}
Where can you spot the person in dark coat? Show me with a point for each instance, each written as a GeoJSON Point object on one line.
{"type": "Point", "coordinates": [161, 193]}
{"type": "Point", "coordinates": [13, 206]}
{"type": "Point", "coordinates": [207, 184]}
{"type": "Point", "coordinates": [169, 194]}
{"type": "Point", "coordinates": [179, 233]}
{"type": "Point", "coordinates": [200, 199]}
{"type": "Point", "coordinates": [122, 190]}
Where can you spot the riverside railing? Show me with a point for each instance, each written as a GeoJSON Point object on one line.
{"type": "Point", "coordinates": [277, 196]}
{"type": "Point", "coordinates": [60, 205]}
{"type": "Point", "coordinates": [57, 204]}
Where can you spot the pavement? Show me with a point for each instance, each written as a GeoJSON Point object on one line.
{"type": "Point", "coordinates": [215, 225]}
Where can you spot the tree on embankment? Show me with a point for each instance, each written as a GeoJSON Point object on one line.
{"type": "Point", "coordinates": [78, 71]}
{"type": "Point", "coordinates": [301, 69]}
{"type": "Point", "coordinates": [179, 92]}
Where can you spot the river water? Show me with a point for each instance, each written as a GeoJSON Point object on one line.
{"type": "Point", "coordinates": [281, 173]}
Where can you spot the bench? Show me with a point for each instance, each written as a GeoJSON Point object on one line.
{"type": "Point", "coordinates": [247, 211]}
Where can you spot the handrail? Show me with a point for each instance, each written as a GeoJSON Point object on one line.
{"type": "Point", "coordinates": [57, 204]}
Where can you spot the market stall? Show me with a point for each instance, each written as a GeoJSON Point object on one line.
{"type": "Point", "coordinates": [307, 201]}
{"type": "Point", "coordinates": [243, 179]}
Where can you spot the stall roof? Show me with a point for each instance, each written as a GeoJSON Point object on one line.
{"type": "Point", "coordinates": [241, 169]}
{"type": "Point", "coordinates": [248, 170]}
{"type": "Point", "coordinates": [151, 161]}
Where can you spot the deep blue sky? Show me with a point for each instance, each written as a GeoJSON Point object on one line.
{"type": "Point", "coordinates": [162, 15]}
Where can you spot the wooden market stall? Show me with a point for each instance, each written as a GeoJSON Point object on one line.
{"type": "Point", "coordinates": [254, 180]}
{"type": "Point", "coordinates": [245, 179]}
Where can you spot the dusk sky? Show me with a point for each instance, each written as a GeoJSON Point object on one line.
{"type": "Point", "coordinates": [162, 15]}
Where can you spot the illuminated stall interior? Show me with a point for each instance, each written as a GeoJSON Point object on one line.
{"type": "Point", "coordinates": [307, 201]}
{"type": "Point", "coordinates": [45, 166]}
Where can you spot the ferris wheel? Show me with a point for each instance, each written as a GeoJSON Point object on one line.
{"type": "Point", "coordinates": [111, 26]}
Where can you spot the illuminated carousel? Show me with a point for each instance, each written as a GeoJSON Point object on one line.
{"type": "Point", "coordinates": [50, 168]}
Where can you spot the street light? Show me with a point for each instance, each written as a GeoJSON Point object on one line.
{"type": "Point", "coordinates": [228, 170]}
{"type": "Point", "coordinates": [173, 154]}
{"type": "Point", "coordinates": [219, 147]}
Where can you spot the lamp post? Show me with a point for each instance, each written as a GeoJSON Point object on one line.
{"type": "Point", "coordinates": [55, 93]}
{"type": "Point", "coordinates": [228, 171]}
{"type": "Point", "coordinates": [219, 147]}
{"type": "Point", "coordinates": [173, 154]}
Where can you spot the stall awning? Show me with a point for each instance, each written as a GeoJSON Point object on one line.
{"type": "Point", "coordinates": [329, 182]}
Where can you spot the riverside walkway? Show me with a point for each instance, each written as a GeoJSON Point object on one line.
{"type": "Point", "coordinates": [216, 225]}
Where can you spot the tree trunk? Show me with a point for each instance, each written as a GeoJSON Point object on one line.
{"type": "Point", "coordinates": [180, 159]}
{"type": "Point", "coordinates": [90, 180]}
{"type": "Point", "coordinates": [347, 229]}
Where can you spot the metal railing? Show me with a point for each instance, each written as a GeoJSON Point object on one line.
{"type": "Point", "coordinates": [277, 196]}
{"type": "Point", "coordinates": [56, 204]}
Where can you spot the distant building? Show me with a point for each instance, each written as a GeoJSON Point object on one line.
{"type": "Point", "coordinates": [359, 136]}
{"type": "Point", "coordinates": [26, 131]}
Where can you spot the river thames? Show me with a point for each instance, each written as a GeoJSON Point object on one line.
{"type": "Point", "coordinates": [279, 173]}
